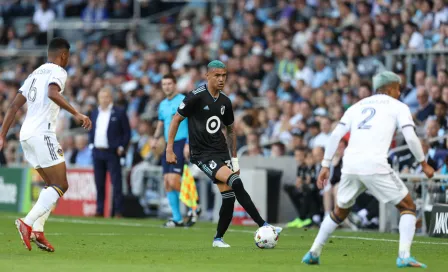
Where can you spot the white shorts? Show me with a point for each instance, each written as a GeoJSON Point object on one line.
{"type": "Point", "coordinates": [43, 151]}
{"type": "Point", "coordinates": [387, 188]}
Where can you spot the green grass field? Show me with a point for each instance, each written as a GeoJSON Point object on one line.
{"type": "Point", "coordinates": [109, 245]}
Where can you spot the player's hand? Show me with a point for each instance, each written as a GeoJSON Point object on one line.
{"type": "Point", "coordinates": [322, 180]}
{"type": "Point", "coordinates": [427, 169]}
{"type": "Point", "coordinates": [85, 121]}
{"type": "Point", "coordinates": [170, 157]}
{"type": "Point", "coordinates": [2, 141]}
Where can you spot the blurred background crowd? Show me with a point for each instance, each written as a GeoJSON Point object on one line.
{"type": "Point", "coordinates": [294, 67]}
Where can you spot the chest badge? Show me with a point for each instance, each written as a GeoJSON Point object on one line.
{"type": "Point", "coordinates": [223, 108]}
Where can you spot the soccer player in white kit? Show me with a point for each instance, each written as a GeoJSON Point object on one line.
{"type": "Point", "coordinates": [372, 123]}
{"type": "Point", "coordinates": [42, 93]}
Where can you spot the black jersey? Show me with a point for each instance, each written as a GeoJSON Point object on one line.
{"type": "Point", "coordinates": [206, 117]}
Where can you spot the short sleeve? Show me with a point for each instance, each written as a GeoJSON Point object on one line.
{"type": "Point", "coordinates": [187, 106]}
{"type": "Point", "coordinates": [25, 87]}
{"type": "Point", "coordinates": [404, 118]}
{"type": "Point", "coordinates": [160, 112]}
{"type": "Point", "coordinates": [58, 77]}
{"type": "Point", "coordinates": [228, 114]}
{"type": "Point", "coordinates": [346, 119]}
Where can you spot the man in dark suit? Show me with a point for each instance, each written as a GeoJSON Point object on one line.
{"type": "Point", "coordinates": [109, 138]}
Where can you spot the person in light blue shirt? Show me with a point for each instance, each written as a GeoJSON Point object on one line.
{"type": "Point", "coordinates": [172, 173]}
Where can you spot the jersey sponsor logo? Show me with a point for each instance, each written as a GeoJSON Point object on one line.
{"type": "Point", "coordinates": [60, 152]}
{"type": "Point", "coordinates": [206, 108]}
{"type": "Point", "coordinates": [212, 164]}
{"type": "Point", "coordinates": [223, 108]}
{"type": "Point", "coordinates": [213, 124]}
{"type": "Point", "coordinates": [182, 105]}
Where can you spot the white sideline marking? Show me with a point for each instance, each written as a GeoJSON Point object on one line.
{"type": "Point", "coordinates": [131, 224]}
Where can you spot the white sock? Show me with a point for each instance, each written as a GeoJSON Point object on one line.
{"type": "Point", "coordinates": [47, 199]}
{"type": "Point", "coordinates": [40, 222]}
{"type": "Point", "coordinates": [326, 229]}
{"type": "Point", "coordinates": [407, 231]}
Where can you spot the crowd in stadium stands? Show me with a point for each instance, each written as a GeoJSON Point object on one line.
{"type": "Point", "coordinates": [293, 69]}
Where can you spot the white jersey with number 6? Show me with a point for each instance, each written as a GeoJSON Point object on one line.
{"type": "Point", "coordinates": [372, 123]}
{"type": "Point", "coordinates": [42, 111]}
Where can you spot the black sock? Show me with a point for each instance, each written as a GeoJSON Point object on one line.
{"type": "Point", "coordinates": [244, 199]}
{"type": "Point", "coordinates": [226, 213]}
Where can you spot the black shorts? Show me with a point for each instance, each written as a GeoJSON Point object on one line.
{"type": "Point", "coordinates": [212, 163]}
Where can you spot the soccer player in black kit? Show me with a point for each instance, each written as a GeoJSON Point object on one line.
{"type": "Point", "coordinates": [208, 109]}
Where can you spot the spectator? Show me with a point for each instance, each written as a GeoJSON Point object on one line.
{"type": "Point", "coordinates": [84, 153]}
{"type": "Point", "coordinates": [110, 137]}
{"type": "Point", "coordinates": [425, 107]}
{"type": "Point", "coordinates": [322, 74]}
{"type": "Point", "coordinates": [43, 16]}
{"type": "Point", "coordinates": [304, 73]}
{"type": "Point", "coordinates": [440, 115]}
{"type": "Point", "coordinates": [95, 11]}
{"type": "Point", "coordinates": [322, 138]}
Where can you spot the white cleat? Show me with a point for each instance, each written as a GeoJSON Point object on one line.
{"type": "Point", "coordinates": [277, 229]}
{"type": "Point", "coordinates": [220, 243]}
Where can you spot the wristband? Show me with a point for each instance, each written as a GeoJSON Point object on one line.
{"type": "Point", "coordinates": [235, 165]}
{"type": "Point", "coordinates": [326, 163]}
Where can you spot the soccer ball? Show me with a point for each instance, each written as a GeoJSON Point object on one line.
{"type": "Point", "coordinates": [266, 237]}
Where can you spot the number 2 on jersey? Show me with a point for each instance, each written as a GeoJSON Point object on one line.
{"type": "Point", "coordinates": [363, 123]}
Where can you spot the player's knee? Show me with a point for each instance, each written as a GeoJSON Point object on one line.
{"type": "Point", "coordinates": [234, 181]}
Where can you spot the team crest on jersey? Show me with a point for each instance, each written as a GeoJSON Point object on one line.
{"type": "Point", "coordinates": [223, 108]}
{"type": "Point", "coordinates": [60, 152]}
{"type": "Point", "coordinates": [212, 164]}
{"type": "Point", "coordinates": [182, 105]}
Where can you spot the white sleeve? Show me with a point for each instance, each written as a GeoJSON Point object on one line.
{"type": "Point", "coordinates": [58, 77]}
{"type": "Point", "coordinates": [25, 87]}
{"type": "Point", "coordinates": [413, 143]}
{"type": "Point", "coordinates": [404, 118]}
{"type": "Point", "coordinates": [332, 144]}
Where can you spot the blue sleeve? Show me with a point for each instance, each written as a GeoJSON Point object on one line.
{"type": "Point", "coordinates": [159, 111]}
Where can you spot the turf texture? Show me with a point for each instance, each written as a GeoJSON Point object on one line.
{"type": "Point", "coordinates": [127, 245]}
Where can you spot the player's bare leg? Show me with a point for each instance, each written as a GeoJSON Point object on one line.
{"type": "Point", "coordinates": [37, 236]}
{"type": "Point", "coordinates": [406, 227]}
{"type": "Point", "coordinates": [58, 185]}
{"type": "Point", "coordinates": [172, 187]}
{"type": "Point", "coordinates": [328, 226]}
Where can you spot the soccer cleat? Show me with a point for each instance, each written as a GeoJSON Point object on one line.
{"type": "Point", "coordinates": [193, 216]}
{"type": "Point", "coordinates": [25, 233]}
{"type": "Point", "coordinates": [41, 242]}
{"type": "Point", "coordinates": [277, 229]}
{"type": "Point", "coordinates": [310, 259]}
{"type": "Point", "coordinates": [219, 242]}
{"type": "Point", "coordinates": [296, 223]}
{"type": "Point", "coordinates": [409, 262]}
{"type": "Point", "coordinates": [173, 224]}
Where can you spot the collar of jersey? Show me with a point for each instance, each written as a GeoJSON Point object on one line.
{"type": "Point", "coordinates": [214, 99]}
{"type": "Point", "coordinates": [49, 62]}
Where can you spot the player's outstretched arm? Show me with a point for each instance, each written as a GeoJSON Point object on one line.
{"type": "Point", "coordinates": [16, 104]}
{"type": "Point", "coordinates": [231, 143]}
{"type": "Point", "coordinates": [55, 95]}
{"type": "Point", "coordinates": [416, 148]}
{"type": "Point", "coordinates": [174, 126]}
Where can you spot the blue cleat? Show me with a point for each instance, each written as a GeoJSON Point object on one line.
{"type": "Point", "coordinates": [409, 262]}
{"type": "Point", "coordinates": [310, 259]}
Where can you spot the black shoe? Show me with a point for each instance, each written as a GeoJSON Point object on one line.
{"type": "Point", "coordinates": [193, 216]}
{"type": "Point", "coordinates": [173, 224]}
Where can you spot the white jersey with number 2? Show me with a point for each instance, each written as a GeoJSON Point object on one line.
{"type": "Point", "coordinates": [42, 111]}
{"type": "Point", "coordinates": [372, 123]}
